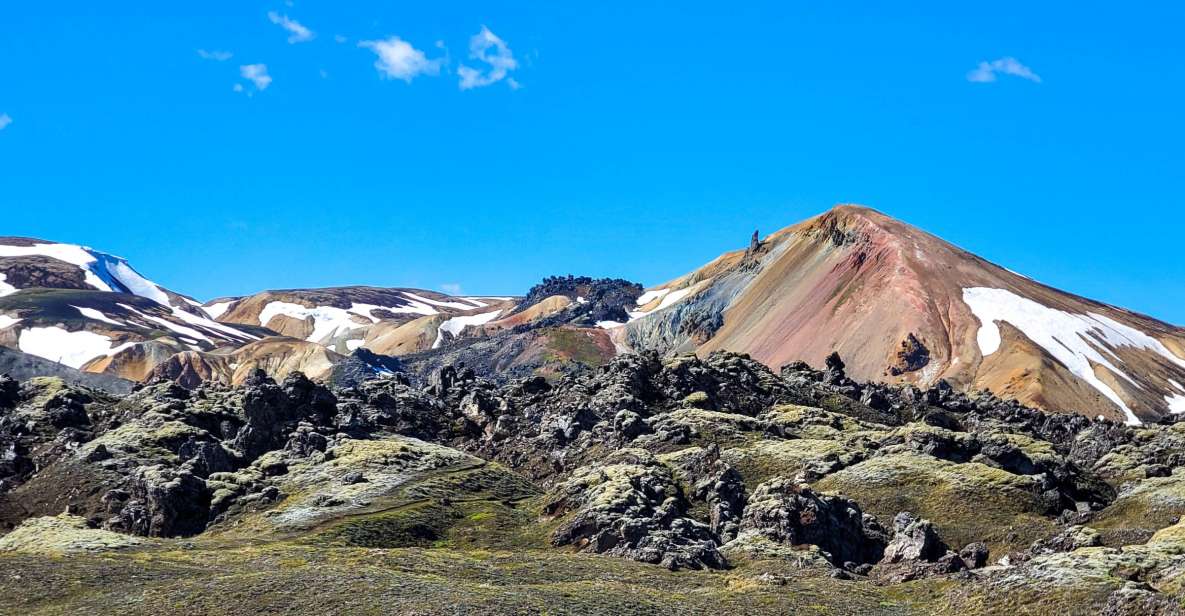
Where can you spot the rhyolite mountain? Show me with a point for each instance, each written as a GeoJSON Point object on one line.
{"type": "Point", "coordinates": [901, 305]}
{"type": "Point", "coordinates": [898, 305]}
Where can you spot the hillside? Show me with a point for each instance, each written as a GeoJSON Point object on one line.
{"type": "Point", "coordinates": [905, 306]}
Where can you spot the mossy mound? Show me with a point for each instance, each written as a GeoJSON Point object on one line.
{"type": "Point", "coordinates": [64, 534]}
{"type": "Point", "coordinates": [1141, 510]}
{"type": "Point", "coordinates": [762, 460]}
{"type": "Point", "coordinates": [969, 502]}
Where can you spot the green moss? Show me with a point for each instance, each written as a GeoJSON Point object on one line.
{"type": "Point", "coordinates": [762, 460]}
{"type": "Point", "coordinates": [967, 502]}
{"type": "Point", "coordinates": [1140, 511]}
{"type": "Point", "coordinates": [64, 534]}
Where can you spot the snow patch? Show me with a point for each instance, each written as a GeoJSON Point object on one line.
{"type": "Point", "coordinates": [420, 298]}
{"type": "Point", "coordinates": [133, 281]}
{"type": "Point", "coordinates": [7, 321]}
{"type": "Point", "coordinates": [195, 320]}
{"type": "Point", "coordinates": [217, 309]}
{"type": "Point", "coordinates": [91, 313]}
{"type": "Point", "coordinates": [5, 288]}
{"type": "Point", "coordinates": [328, 321]}
{"type": "Point", "coordinates": [456, 325]}
{"type": "Point", "coordinates": [609, 324]}
{"type": "Point", "coordinates": [1075, 340]}
{"type": "Point", "coordinates": [650, 296]}
{"type": "Point", "coordinates": [167, 324]}
{"type": "Point", "coordinates": [353, 345]}
{"type": "Point", "coordinates": [100, 270]}
{"type": "Point", "coordinates": [669, 298]}
{"type": "Point", "coordinates": [72, 349]}
{"type": "Point", "coordinates": [1176, 403]}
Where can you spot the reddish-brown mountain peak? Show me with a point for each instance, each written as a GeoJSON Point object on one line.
{"type": "Point", "coordinates": [846, 224]}
{"type": "Point", "coordinates": [850, 211]}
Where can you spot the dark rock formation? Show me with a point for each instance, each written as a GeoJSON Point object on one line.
{"type": "Point", "coordinates": [630, 506]}
{"type": "Point", "coordinates": [912, 356]}
{"type": "Point", "coordinates": [796, 515]}
{"type": "Point", "coordinates": [916, 551]}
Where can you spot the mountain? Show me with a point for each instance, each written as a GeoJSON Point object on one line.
{"type": "Point", "coordinates": [92, 311]}
{"type": "Point", "coordinates": [28, 263]}
{"type": "Point", "coordinates": [901, 305]}
{"type": "Point", "coordinates": [896, 303]}
{"type": "Point", "coordinates": [346, 318]}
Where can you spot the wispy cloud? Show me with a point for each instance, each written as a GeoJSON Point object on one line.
{"type": "Point", "coordinates": [986, 71]}
{"type": "Point", "coordinates": [5, 120]}
{"type": "Point", "coordinates": [452, 288]}
{"type": "Point", "coordinates": [485, 46]}
{"type": "Point", "coordinates": [297, 32]}
{"type": "Point", "coordinates": [216, 55]}
{"type": "Point", "coordinates": [399, 60]}
{"type": "Point", "coordinates": [257, 75]}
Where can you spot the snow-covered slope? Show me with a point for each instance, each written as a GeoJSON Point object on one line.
{"type": "Point", "coordinates": [340, 318]}
{"type": "Point", "coordinates": [32, 263]}
{"type": "Point", "coordinates": [900, 304]}
{"type": "Point", "coordinates": [80, 327]}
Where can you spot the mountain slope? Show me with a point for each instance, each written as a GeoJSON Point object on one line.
{"type": "Point", "coordinates": [27, 263]}
{"type": "Point", "coordinates": [89, 310]}
{"type": "Point", "coordinates": [899, 304]}
{"type": "Point", "coordinates": [341, 318]}
{"type": "Point", "coordinates": [78, 328]}
{"type": "Point", "coordinates": [23, 366]}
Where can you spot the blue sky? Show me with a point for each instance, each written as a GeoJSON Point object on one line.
{"type": "Point", "coordinates": [634, 139]}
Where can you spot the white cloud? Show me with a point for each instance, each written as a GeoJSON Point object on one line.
{"type": "Point", "coordinates": [986, 71]}
{"type": "Point", "coordinates": [5, 120]}
{"type": "Point", "coordinates": [399, 60]}
{"type": "Point", "coordinates": [238, 87]}
{"type": "Point", "coordinates": [452, 288]}
{"type": "Point", "coordinates": [337, 38]}
{"type": "Point", "coordinates": [485, 46]}
{"type": "Point", "coordinates": [256, 74]}
{"type": "Point", "coordinates": [216, 55]}
{"type": "Point", "coordinates": [298, 33]}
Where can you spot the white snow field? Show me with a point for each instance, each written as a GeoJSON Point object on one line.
{"type": "Point", "coordinates": [217, 309]}
{"type": "Point", "coordinates": [1074, 340]}
{"type": "Point", "coordinates": [106, 272]}
{"type": "Point", "coordinates": [65, 347]}
{"type": "Point", "coordinates": [456, 325]}
{"type": "Point", "coordinates": [91, 313]}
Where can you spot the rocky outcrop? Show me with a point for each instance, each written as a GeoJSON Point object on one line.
{"type": "Point", "coordinates": [160, 502]}
{"type": "Point", "coordinates": [796, 515]}
{"type": "Point", "coordinates": [916, 551]}
{"type": "Point", "coordinates": [630, 506]}
{"type": "Point", "coordinates": [911, 357]}
{"type": "Point", "coordinates": [593, 300]}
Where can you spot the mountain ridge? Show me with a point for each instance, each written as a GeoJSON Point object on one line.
{"type": "Point", "coordinates": [898, 303]}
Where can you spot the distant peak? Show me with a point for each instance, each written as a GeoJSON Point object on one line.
{"type": "Point", "coordinates": [855, 210]}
